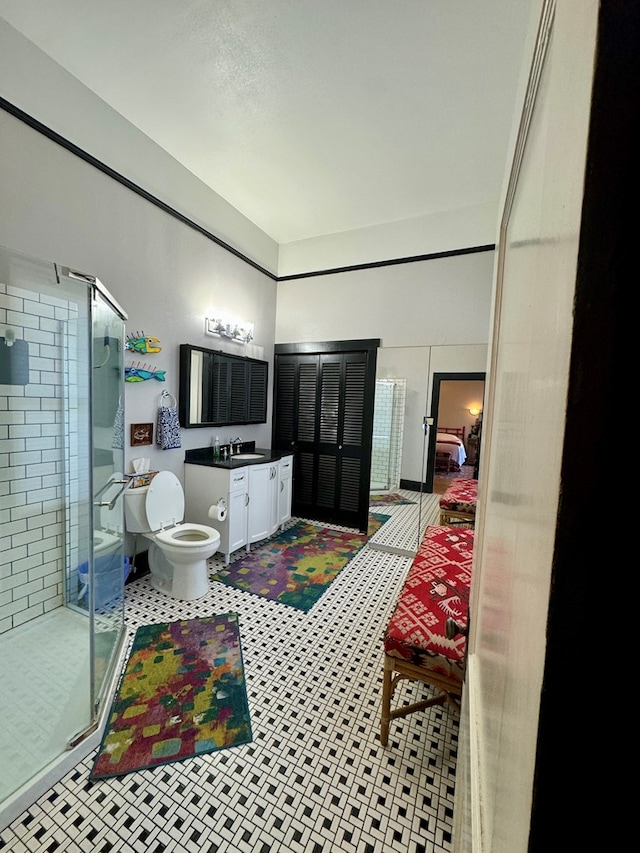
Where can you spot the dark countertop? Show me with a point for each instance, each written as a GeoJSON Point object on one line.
{"type": "Point", "coordinates": [204, 456]}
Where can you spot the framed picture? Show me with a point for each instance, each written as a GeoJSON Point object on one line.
{"type": "Point", "coordinates": [141, 434]}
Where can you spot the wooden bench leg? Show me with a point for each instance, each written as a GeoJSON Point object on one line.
{"type": "Point", "coordinates": [395, 671]}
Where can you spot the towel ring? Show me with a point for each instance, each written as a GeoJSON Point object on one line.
{"type": "Point", "coordinates": [163, 397]}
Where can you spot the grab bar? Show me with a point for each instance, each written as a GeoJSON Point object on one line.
{"type": "Point", "coordinates": [112, 502]}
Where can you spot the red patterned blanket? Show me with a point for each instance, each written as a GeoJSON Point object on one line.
{"type": "Point", "coordinates": [461, 495]}
{"type": "Point", "coordinates": [436, 589]}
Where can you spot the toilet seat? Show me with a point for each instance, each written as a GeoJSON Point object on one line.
{"type": "Point", "coordinates": [165, 510]}
{"type": "Point", "coordinates": [187, 535]}
{"type": "Point", "coordinates": [164, 502]}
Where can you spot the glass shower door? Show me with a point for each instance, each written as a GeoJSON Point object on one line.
{"type": "Point", "coordinates": [96, 586]}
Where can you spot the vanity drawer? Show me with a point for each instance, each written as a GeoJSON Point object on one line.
{"type": "Point", "coordinates": [238, 481]}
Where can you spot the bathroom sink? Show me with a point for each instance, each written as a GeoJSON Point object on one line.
{"type": "Point", "coordinates": [248, 456]}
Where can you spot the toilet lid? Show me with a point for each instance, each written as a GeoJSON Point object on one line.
{"type": "Point", "coordinates": [165, 501]}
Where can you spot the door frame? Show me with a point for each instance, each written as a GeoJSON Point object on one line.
{"type": "Point", "coordinates": [438, 379]}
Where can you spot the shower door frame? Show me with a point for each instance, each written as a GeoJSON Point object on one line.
{"type": "Point", "coordinates": [108, 495]}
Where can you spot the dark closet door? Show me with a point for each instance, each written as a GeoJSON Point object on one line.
{"type": "Point", "coordinates": [323, 412]}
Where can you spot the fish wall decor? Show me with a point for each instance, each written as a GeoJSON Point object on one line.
{"type": "Point", "coordinates": [139, 342]}
{"type": "Point", "coordinates": [141, 372]}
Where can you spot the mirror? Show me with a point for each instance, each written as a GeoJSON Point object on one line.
{"type": "Point", "coordinates": [220, 389]}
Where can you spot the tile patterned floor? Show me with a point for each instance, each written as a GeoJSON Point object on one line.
{"type": "Point", "coordinates": [315, 778]}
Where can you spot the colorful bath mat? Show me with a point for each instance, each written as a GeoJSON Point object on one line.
{"type": "Point", "coordinates": [182, 694]}
{"type": "Point", "coordinates": [388, 499]}
{"type": "Point", "coordinates": [296, 567]}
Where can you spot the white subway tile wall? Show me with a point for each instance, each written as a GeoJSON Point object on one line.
{"type": "Point", "coordinates": [38, 456]}
{"type": "Point", "coordinates": [388, 428]}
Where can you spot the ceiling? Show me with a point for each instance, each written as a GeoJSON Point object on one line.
{"type": "Point", "coordinates": [311, 117]}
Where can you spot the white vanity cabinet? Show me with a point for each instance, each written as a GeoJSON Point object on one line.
{"type": "Point", "coordinates": [285, 489]}
{"type": "Point", "coordinates": [257, 499]}
{"type": "Point", "coordinates": [270, 491]}
{"type": "Point", "coordinates": [262, 518]}
{"type": "Point", "coordinates": [237, 512]}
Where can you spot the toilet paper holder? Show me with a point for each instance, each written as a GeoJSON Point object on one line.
{"type": "Point", "coordinates": [218, 511]}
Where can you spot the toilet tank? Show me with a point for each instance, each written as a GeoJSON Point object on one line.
{"type": "Point", "coordinates": [135, 511]}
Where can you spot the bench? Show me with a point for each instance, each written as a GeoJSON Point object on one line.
{"type": "Point", "coordinates": [425, 639]}
{"type": "Point", "coordinates": [458, 503]}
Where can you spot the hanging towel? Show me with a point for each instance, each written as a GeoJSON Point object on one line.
{"type": "Point", "coordinates": [168, 431]}
{"type": "Point", "coordinates": [118, 428]}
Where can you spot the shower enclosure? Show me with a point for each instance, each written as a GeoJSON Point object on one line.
{"type": "Point", "coordinates": [63, 567]}
{"type": "Point", "coordinates": [388, 431]}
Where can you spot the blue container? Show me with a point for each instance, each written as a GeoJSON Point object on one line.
{"type": "Point", "coordinates": [110, 577]}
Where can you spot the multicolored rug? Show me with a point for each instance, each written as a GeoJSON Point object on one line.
{"type": "Point", "coordinates": [182, 694]}
{"type": "Point", "coordinates": [296, 567]}
{"type": "Point", "coordinates": [388, 499]}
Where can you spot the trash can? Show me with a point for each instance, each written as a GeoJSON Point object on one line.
{"type": "Point", "coordinates": [110, 576]}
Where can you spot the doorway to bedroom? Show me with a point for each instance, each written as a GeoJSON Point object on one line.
{"type": "Point", "coordinates": [453, 443]}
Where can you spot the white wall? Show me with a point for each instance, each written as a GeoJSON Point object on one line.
{"type": "Point", "coordinates": [445, 301]}
{"type": "Point", "coordinates": [447, 230]}
{"type": "Point", "coordinates": [431, 316]}
{"type": "Point", "coordinates": [163, 273]}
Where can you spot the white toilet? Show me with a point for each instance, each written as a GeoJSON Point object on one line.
{"type": "Point", "coordinates": [178, 552]}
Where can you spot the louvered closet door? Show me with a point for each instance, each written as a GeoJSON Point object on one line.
{"type": "Point", "coordinates": [324, 414]}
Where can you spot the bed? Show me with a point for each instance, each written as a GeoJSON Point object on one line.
{"type": "Point", "coordinates": [450, 451]}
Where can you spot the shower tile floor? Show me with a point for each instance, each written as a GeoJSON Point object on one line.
{"type": "Point", "coordinates": [315, 778]}
{"type": "Point", "coordinates": [42, 664]}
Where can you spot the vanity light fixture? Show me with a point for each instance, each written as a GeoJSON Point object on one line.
{"type": "Point", "coordinates": [228, 327]}
{"type": "Point", "coordinates": [474, 410]}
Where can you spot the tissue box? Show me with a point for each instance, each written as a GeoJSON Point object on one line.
{"type": "Point", "coordinates": [140, 479]}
